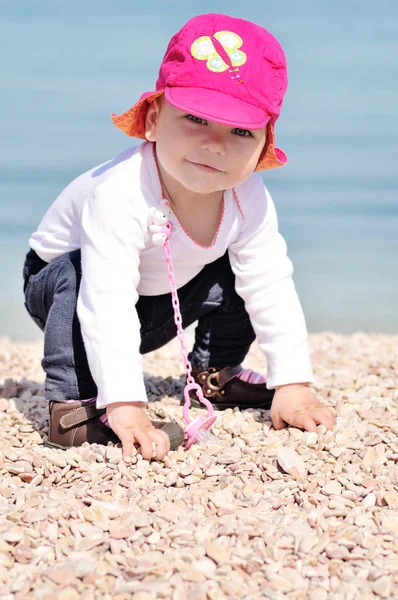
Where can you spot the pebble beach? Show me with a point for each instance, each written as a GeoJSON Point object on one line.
{"type": "Point", "coordinates": [259, 514]}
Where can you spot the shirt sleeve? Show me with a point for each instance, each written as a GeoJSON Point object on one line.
{"type": "Point", "coordinates": [111, 239]}
{"type": "Point", "coordinates": [264, 280]}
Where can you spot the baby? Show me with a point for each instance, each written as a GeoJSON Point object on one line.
{"type": "Point", "coordinates": [96, 280]}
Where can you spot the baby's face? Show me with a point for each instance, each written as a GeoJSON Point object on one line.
{"type": "Point", "coordinates": [202, 155]}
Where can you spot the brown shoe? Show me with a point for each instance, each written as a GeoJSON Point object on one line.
{"type": "Point", "coordinates": [73, 423]}
{"type": "Point", "coordinates": [225, 390]}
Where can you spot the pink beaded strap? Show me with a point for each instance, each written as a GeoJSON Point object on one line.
{"type": "Point", "coordinates": [161, 228]}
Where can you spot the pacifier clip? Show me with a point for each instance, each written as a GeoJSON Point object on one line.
{"type": "Point", "coordinates": [197, 429]}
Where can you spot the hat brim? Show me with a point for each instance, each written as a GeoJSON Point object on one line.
{"type": "Point", "coordinates": [271, 157]}
{"type": "Point", "coordinates": [217, 106]}
{"type": "Point", "coordinates": [132, 123]}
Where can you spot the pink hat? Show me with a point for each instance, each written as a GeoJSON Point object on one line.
{"type": "Point", "coordinates": [222, 69]}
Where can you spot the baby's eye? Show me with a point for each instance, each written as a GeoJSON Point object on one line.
{"type": "Point", "coordinates": [242, 132]}
{"type": "Point", "coordinates": [195, 119]}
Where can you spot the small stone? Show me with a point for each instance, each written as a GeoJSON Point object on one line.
{"type": "Point", "coordinates": [88, 543]}
{"type": "Point", "coordinates": [317, 593]}
{"type": "Point", "coordinates": [26, 429]}
{"type": "Point", "coordinates": [88, 530]}
{"type": "Point", "coordinates": [119, 533]}
{"type": "Point", "coordinates": [205, 566]}
{"type": "Point", "coordinates": [13, 440]}
{"type": "Point", "coordinates": [27, 477]}
{"type": "Point", "coordinates": [217, 552]}
{"type": "Point", "coordinates": [192, 575]}
{"type": "Point", "coordinates": [37, 480]}
{"type": "Point", "coordinates": [390, 522]}
{"type": "Point", "coordinates": [290, 461]}
{"type": "Point", "coordinates": [113, 455]}
{"type": "Point", "coordinates": [82, 565]}
{"type": "Point", "coordinates": [191, 479]}
{"type": "Point", "coordinates": [369, 458]}
{"type": "Point", "coordinates": [341, 439]}
{"type": "Point", "coordinates": [5, 560]}
{"type": "Point", "coordinates": [68, 593]}
{"type": "Point", "coordinates": [141, 520]}
{"type": "Point", "coordinates": [223, 499]}
{"type": "Point", "coordinates": [7, 492]}
{"type": "Point", "coordinates": [373, 441]}
{"type": "Point", "coordinates": [391, 499]}
{"type": "Point", "coordinates": [61, 575]}
{"type": "Point", "coordinates": [369, 500]}
{"type": "Point", "coordinates": [171, 478]}
{"type": "Point", "coordinates": [153, 538]}
{"type": "Point", "coordinates": [187, 470]}
{"type": "Point", "coordinates": [299, 530]}
{"type": "Point", "coordinates": [333, 487]}
{"type": "Point", "coordinates": [93, 514]}
{"type": "Point", "coordinates": [3, 404]}
{"type": "Point", "coordinates": [142, 468]}
{"type": "Point", "coordinates": [36, 438]}
{"type": "Point", "coordinates": [58, 460]}
{"type": "Point", "coordinates": [307, 543]}
{"type": "Point", "coordinates": [311, 438]}
{"type": "Point", "coordinates": [12, 537]}
{"type": "Point", "coordinates": [382, 587]}
{"type": "Point", "coordinates": [369, 482]}
{"type": "Point", "coordinates": [23, 553]}
{"type": "Point", "coordinates": [364, 520]}
{"type": "Point", "coordinates": [229, 457]}
{"type": "Point", "coordinates": [337, 451]}
{"type": "Point", "coordinates": [34, 516]}
{"type": "Point", "coordinates": [214, 470]}
{"type": "Point", "coordinates": [248, 492]}
{"type": "Point", "coordinates": [9, 389]}
{"type": "Point", "coordinates": [50, 532]}
{"type": "Point", "coordinates": [18, 467]}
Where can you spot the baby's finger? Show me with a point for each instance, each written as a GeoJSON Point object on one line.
{"type": "Point", "coordinates": [277, 421]}
{"type": "Point", "coordinates": [331, 417]}
{"type": "Point", "coordinates": [144, 439]}
{"type": "Point", "coordinates": [127, 446]}
{"type": "Point", "coordinates": [304, 421]}
{"type": "Point", "coordinates": [323, 416]}
{"type": "Point", "coordinates": [162, 443]}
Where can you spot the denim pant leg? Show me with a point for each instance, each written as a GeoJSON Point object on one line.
{"type": "Point", "coordinates": [224, 332]}
{"type": "Point", "coordinates": [50, 298]}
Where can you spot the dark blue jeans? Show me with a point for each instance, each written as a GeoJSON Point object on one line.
{"type": "Point", "coordinates": [222, 337]}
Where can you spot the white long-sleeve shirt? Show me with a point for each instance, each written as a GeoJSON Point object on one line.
{"type": "Point", "coordinates": [104, 212]}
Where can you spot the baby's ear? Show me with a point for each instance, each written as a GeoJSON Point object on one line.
{"type": "Point", "coordinates": [151, 120]}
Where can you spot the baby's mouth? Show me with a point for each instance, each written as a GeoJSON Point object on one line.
{"type": "Point", "coordinates": [205, 167]}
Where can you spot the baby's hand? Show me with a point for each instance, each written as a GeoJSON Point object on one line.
{"type": "Point", "coordinates": [296, 405]}
{"type": "Point", "coordinates": [131, 424]}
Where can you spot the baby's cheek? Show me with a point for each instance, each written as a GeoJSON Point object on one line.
{"type": "Point", "coordinates": [241, 170]}
{"type": "Point", "coordinates": [231, 178]}
{"type": "Point", "coordinates": [168, 158]}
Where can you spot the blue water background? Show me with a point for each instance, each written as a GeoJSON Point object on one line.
{"type": "Point", "coordinates": [66, 66]}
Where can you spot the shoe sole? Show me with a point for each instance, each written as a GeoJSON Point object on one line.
{"type": "Point", "coordinates": [52, 445]}
{"type": "Point", "coordinates": [173, 430]}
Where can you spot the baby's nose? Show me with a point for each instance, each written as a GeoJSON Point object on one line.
{"type": "Point", "coordinates": [215, 143]}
